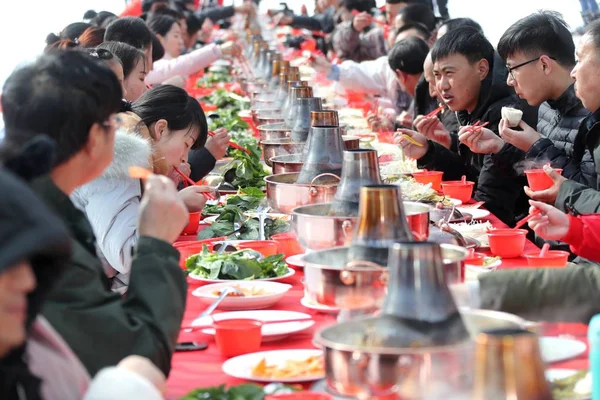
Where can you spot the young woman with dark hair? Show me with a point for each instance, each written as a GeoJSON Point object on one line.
{"type": "Point", "coordinates": [134, 32]}
{"type": "Point", "coordinates": [72, 36]}
{"type": "Point", "coordinates": [173, 64]}
{"type": "Point", "coordinates": [162, 127]}
{"type": "Point", "coordinates": [73, 99]}
{"type": "Point", "coordinates": [133, 62]}
{"type": "Point", "coordinates": [111, 61]}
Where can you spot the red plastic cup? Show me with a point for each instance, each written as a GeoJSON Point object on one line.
{"type": "Point", "coordinates": [265, 247]}
{"type": "Point", "coordinates": [554, 259]}
{"type": "Point", "coordinates": [239, 336]}
{"type": "Point", "coordinates": [476, 259]}
{"type": "Point", "coordinates": [194, 222]}
{"type": "Point", "coordinates": [288, 244]}
{"type": "Point", "coordinates": [300, 396]}
{"type": "Point", "coordinates": [507, 243]}
{"type": "Point", "coordinates": [458, 190]}
{"type": "Point", "coordinates": [433, 177]}
{"type": "Point", "coordinates": [537, 179]}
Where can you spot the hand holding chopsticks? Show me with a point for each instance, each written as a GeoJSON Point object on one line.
{"type": "Point", "coordinates": [548, 222]}
{"type": "Point", "coordinates": [190, 182]}
{"type": "Point", "coordinates": [231, 144]}
{"type": "Point", "coordinates": [480, 140]}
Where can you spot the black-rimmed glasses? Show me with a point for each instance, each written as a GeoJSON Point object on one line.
{"type": "Point", "coordinates": [511, 69]}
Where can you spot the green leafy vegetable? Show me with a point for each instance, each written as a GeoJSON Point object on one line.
{"type": "Point", "coordinates": [239, 265]}
{"type": "Point", "coordinates": [248, 228]}
{"type": "Point", "coordinates": [213, 77]}
{"type": "Point", "coordinates": [241, 392]}
{"type": "Point", "coordinates": [229, 118]}
{"type": "Point", "coordinates": [247, 199]}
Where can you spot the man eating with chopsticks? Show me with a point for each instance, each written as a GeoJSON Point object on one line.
{"type": "Point", "coordinates": [471, 80]}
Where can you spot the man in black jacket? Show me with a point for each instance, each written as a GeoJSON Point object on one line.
{"type": "Point", "coordinates": [471, 80]}
{"type": "Point", "coordinates": [73, 99]}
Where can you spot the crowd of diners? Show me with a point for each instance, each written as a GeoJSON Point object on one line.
{"type": "Point", "coordinates": [91, 292]}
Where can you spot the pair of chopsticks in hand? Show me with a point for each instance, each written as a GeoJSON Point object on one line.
{"type": "Point", "coordinates": [477, 125]}
{"type": "Point", "coordinates": [143, 173]}
{"type": "Point", "coordinates": [232, 144]}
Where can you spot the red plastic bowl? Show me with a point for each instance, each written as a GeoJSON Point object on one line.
{"type": "Point", "coordinates": [433, 177]}
{"type": "Point", "coordinates": [288, 244]}
{"type": "Point", "coordinates": [187, 249]}
{"type": "Point", "coordinates": [265, 247]}
{"type": "Point", "coordinates": [537, 179]}
{"type": "Point", "coordinates": [507, 243]}
{"type": "Point", "coordinates": [458, 190]}
{"type": "Point", "coordinates": [554, 259]}
{"type": "Point", "coordinates": [239, 336]}
{"type": "Point", "coordinates": [194, 222]}
{"type": "Point", "coordinates": [299, 396]}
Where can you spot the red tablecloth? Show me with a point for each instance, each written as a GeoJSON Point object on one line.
{"type": "Point", "coordinates": [203, 368]}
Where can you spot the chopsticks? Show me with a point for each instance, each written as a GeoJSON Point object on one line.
{"type": "Point", "coordinates": [526, 219]}
{"type": "Point", "coordinates": [282, 321]}
{"type": "Point", "coordinates": [413, 141]}
{"type": "Point", "coordinates": [476, 125]}
{"type": "Point", "coordinates": [232, 144]}
{"type": "Point", "coordinates": [435, 112]}
{"type": "Point", "coordinates": [191, 182]}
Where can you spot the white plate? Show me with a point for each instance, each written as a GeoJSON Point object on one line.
{"type": "Point", "coordinates": [555, 374]}
{"type": "Point", "coordinates": [456, 202]}
{"type": "Point", "coordinates": [556, 349]}
{"type": "Point", "coordinates": [308, 303]}
{"type": "Point", "coordinates": [476, 213]}
{"type": "Point", "coordinates": [296, 261]}
{"type": "Point", "coordinates": [196, 277]}
{"type": "Point", "coordinates": [276, 292]}
{"type": "Point", "coordinates": [241, 366]}
{"type": "Point", "coordinates": [209, 220]}
{"type": "Point", "coordinates": [270, 332]}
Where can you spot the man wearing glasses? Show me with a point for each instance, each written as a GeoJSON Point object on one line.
{"type": "Point", "coordinates": [540, 54]}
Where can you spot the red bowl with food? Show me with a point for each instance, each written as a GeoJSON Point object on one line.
{"type": "Point", "coordinates": [458, 190]}
{"type": "Point", "coordinates": [433, 177]}
{"type": "Point", "coordinates": [553, 259]}
{"type": "Point", "coordinates": [193, 223]}
{"type": "Point", "coordinates": [537, 179]}
{"type": "Point", "coordinates": [265, 247]}
{"type": "Point", "coordinates": [187, 249]}
{"type": "Point", "coordinates": [507, 243]}
{"type": "Point", "coordinates": [238, 336]}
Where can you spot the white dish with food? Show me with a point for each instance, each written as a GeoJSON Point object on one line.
{"type": "Point", "coordinates": [564, 389]}
{"type": "Point", "coordinates": [285, 366]}
{"type": "Point", "coordinates": [256, 294]}
{"type": "Point", "coordinates": [291, 272]}
{"type": "Point", "coordinates": [313, 305]}
{"type": "Point", "coordinates": [476, 213]}
{"type": "Point", "coordinates": [270, 332]}
{"type": "Point", "coordinates": [296, 261]}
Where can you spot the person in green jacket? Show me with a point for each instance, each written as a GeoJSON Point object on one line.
{"type": "Point", "coordinates": [566, 294]}
{"type": "Point", "coordinates": [73, 99]}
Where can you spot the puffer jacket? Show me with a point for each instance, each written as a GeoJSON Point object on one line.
{"type": "Point", "coordinates": [574, 197]}
{"type": "Point", "coordinates": [350, 44]}
{"type": "Point", "coordinates": [559, 123]}
{"type": "Point", "coordinates": [111, 202]}
{"type": "Point", "coordinates": [503, 197]}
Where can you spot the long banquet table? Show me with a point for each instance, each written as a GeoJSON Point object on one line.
{"type": "Point", "coordinates": [197, 369]}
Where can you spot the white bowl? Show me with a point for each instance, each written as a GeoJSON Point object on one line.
{"type": "Point", "coordinates": [276, 292]}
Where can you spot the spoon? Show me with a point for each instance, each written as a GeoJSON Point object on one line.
{"type": "Point", "coordinates": [224, 293]}
{"type": "Point", "coordinates": [526, 219]}
{"type": "Point", "coordinates": [545, 249]}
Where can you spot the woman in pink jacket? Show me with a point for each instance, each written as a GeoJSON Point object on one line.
{"type": "Point", "coordinates": [173, 64]}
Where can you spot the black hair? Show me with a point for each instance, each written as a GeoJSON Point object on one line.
{"type": "Point", "coordinates": [90, 14]}
{"type": "Point", "coordinates": [63, 94]}
{"type": "Point", "coordinates": [173, 104]}
{"type": "Point", "coordinates": [91, 37]}
{"type": "Point", "coordinates": [161, 24]}
{"type": "Point", "coordinates": [128, 55]}
{"type": "Point", "coordinates": [465, 41]}
{"type": "Point", "coordinates": [130, 30]}
{"type": "Point", "coordinates": [541, 33]}
{"type": "Point", "coordinates": [158, 51]}
{"type": "Point", "coordinates": [418, 13]}
{"type": "Point", "coordinates": [147, 4]}
{"type": "Point", "coordinates": [103, 19]}
{"type": "Point", "coordinates": [408, 55]}
{"type": "Point", "coordinates": [359, 5]}
{"type": "Point", "coordinates": [70, 32]}
{"type": "Point", "coordinates": [454, 23]}
{"type": "Point", "coordinates": [419, 27]}
{"type": "Point", "coordinates": [101, 54]}
{"type": "Point", "coordinates": [194, 24]}
{"type": "Point", "coordinates": [171, 12]}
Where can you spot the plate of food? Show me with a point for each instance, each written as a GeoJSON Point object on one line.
{"type": "Point", "coordinates": [313, 305]}
{"type": "Point", "coordinates": [253, 295]}
{"type": "Point", "coordinates": [270, 332]}
{"type": "Point", "coordinates": [475, 230]}
{"type": "Point", "coordinates": [570, 384]}
{"type": "Point", "coordinates": [296, 261]}
{"type": "Point", "coordinates": [489, 264]}
{"type": "Point", "coordinates": [555, 349]}
{"type": "Point", "coordinates": [475, 213]}
{"type": "Point", "coordinates": [240, 265]}
{"type": "Point", "coordinates": [286, 366]}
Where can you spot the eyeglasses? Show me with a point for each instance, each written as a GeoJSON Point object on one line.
{"type": "Point", "coordinates": [511, 69]}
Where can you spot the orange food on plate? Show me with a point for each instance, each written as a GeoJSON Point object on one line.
{"type": "Point", "coordinates": [245, 291]}
{"type": "Point", "coordinates": [307, 367]}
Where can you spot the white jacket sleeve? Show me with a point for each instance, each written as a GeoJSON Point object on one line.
{"type": "Point", "coordinates": [112, 207]}
{"type": "Point", "coordinates": [368, 76]}
{"type": "Point", "coordinates": [121, 384]}
{"type": "Point", "coordinates": [183, 65]}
